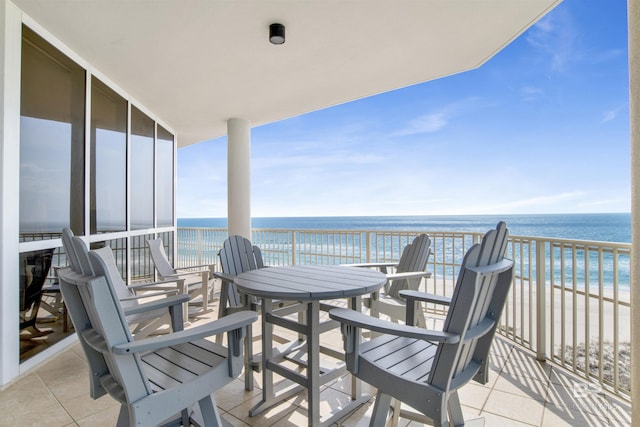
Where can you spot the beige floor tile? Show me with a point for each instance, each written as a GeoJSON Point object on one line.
{"type": "Point", "coordinates": [265, 418]}
{"type": "Point", "coordinates": [83, 405]}
{"type": "Point", "coordinates": [234, 394]}
{"type": "Point", "coordinates": [29, 402]}
{"type": "Point", "coordinates": [577, 395]}
{"type": "Point", "coordinates": [106, 417]}
{"type": "Point", "coordinates": [522, 386]}
{"type": "Point", "coordinates": [619, 412]}
{"type": "Point", "coordinates": [62, 367]}
{"type": "Point", "coordinates": [555, 416]}
{"type": "Point", "coordinates": [474, 395]}
{"type": "Point", "coordinates": [494, 420]}
{"type": "Point", "coordinates": [233, 420]}
{"type": "Point", "coordinates": [518, 408]}
{"type": "Point", "coordinates": [296, 418]}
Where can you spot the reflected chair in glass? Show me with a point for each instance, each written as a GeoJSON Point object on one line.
{"type": "Point", "coordinates": [34, 272]}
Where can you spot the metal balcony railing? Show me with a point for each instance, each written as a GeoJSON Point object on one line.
{"type": "Point", "coordinates": [569, 303]}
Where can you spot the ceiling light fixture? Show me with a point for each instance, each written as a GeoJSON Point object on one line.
{"type": "Point", "coordinates": [276, 33]}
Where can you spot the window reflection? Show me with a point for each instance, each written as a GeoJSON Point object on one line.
{"type": "Point", "coordinates": [51, 141]}
{"type": "Point", "coordinates": [108, 159]}
{"type": "Point", "coordinates": [43, 319]}
{"type": "Point", "coordinates": [164, 178]}
{"type": "Point", "coordinates": [141, 171]}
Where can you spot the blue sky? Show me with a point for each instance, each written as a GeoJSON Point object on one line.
{"type": "Point", "coordinates": [543, 127]}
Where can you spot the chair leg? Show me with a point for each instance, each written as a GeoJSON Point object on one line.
{"type": "Point", "coordinates": [248, 358]}
{"type": "Point", "coordinates": [455, 410]}
{"type": "Point", "coordinates": [380, 410]}
{"type": "Point", "coordinates": [222, 307]}
{"type": "Point", "coordinates": [205, 290]}
{"type": "Point", "coordinates": [210, 414]}
{"type": "Point", "coordinates": [123, 417]}
{"type": "Point", "coordinates": [395, 406]}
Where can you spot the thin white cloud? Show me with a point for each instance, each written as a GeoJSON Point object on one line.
{"type": "Point", "coordinates": [437, 120]}
{"type": "Point", "coordinates": [607, 116]}
{"type": "Point", "coordinates": [610, 115]}
{"type": "Point", "coordinates": [555, 36]}
{"type": "Point", "coordinates": [428, 123]}
{"type": "Point", "coordinates": [531, 93]}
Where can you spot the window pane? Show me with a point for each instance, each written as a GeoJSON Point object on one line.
{"type": "Point", "coordinates": [108, 159]}
{"type": "Point", "coordinates": [164, 178]}
{"type": "Point", "coordinates": [141, 171]}
{"type": "Point", "coordinates": [142, 268]}
{"type": "Point", "coordinates": [51, 141]}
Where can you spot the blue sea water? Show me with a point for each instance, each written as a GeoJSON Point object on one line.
{"type": "Point", "coordinates": [604, 227]}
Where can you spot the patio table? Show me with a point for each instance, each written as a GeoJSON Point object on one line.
{"type": "Point", "coordinates": [309, 284]}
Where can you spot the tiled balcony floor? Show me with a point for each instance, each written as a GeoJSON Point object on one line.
{"type": "Point", "coordinates": [521, 392]}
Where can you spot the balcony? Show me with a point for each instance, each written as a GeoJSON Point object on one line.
{"type": "Point", "coordinates": [554, 363]}
{"type": "Point", "coordinates": [521, 392]}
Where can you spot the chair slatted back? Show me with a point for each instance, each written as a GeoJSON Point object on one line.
{"type": "Point", "coordinates": [109, 328]}
{"type": "Point", "coordinates": [77, 253]}
{"type": "Point", "coordinates": [238, 255]}
{"type": "Point", "coordinates": [70, 251]}
{"type": "Point", "coordinates": [476, 305]}
{"type": "Point", "coordinates": [100, 324]}
{"type": "Point", "coordinates": [109, 269]}
{"type": "Point", "coordinates": [82, 252]}
{"type": "Point", "coordinates": [71, 287]}
{"type": "Point", "coordinates": [160, 259]}
{"type": "Point", "coordinates": [414, 258]}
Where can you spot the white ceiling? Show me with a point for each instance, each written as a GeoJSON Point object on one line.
{"type": "Point", "coordinates": [197, 63]}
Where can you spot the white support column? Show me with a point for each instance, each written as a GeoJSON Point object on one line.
{"type": "Point", "coordinates": [10, 46]}
{"type": "Point", "coordinates": [239, 177]}
{"type": "Point", "coordinates": [634, 118]}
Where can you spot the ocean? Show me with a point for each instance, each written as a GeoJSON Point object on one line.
{"type": "Point", "coordinates": [603, 227]}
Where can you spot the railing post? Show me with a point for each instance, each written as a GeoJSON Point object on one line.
{"type": "Point", "coordinates": [541, 301]}
{"type": "Point", "coordinates": [199, 247]}
{"type": "Point", "coordinates": [293, 247]}
{"type": "Point", "coordinates": [368, 236]}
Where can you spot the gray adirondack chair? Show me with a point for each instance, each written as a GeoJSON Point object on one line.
{"type": "Point", "coordinates": [239, 255]}
{"type": "Point", "coordinates": [425, 368]}
{"type": "Point", "coordinates": [196, 281]}
{"type": "Point", "coordinates": [144, 311]}
{"type": "Point", "coordinates": [157, 380]}
{"type": "Point", "coordinates": [406, 275]}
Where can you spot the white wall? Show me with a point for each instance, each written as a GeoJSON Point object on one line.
{"type": "Point", "coordinates": [10, 42]}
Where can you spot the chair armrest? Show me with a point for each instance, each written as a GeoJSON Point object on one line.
{"type": "Point", "coordinates": [360, 320]}
{"type": "Point", "coordinates": [224, 276]}
{"type": "Point", "coordinates": [371, 264]}
{"type": "Point", "coordinates": [424, 297]}
{"type": "Point", "coordinates": [150, 295]}
{"type": "Point", "coordinates": [225, 324]}
{"type": "Point", "coordinates": [409, 275]}
{"type": "Point", "coordinates": [150, 285]}
{"type": "Point", "coordinates": [187, 273]}
{"type": "Point", "coordinates": [200, 266]}
{"type": "Point", "coordinates": [195, 269]}
{"type": "Point", "coordinates": [156, 304]}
